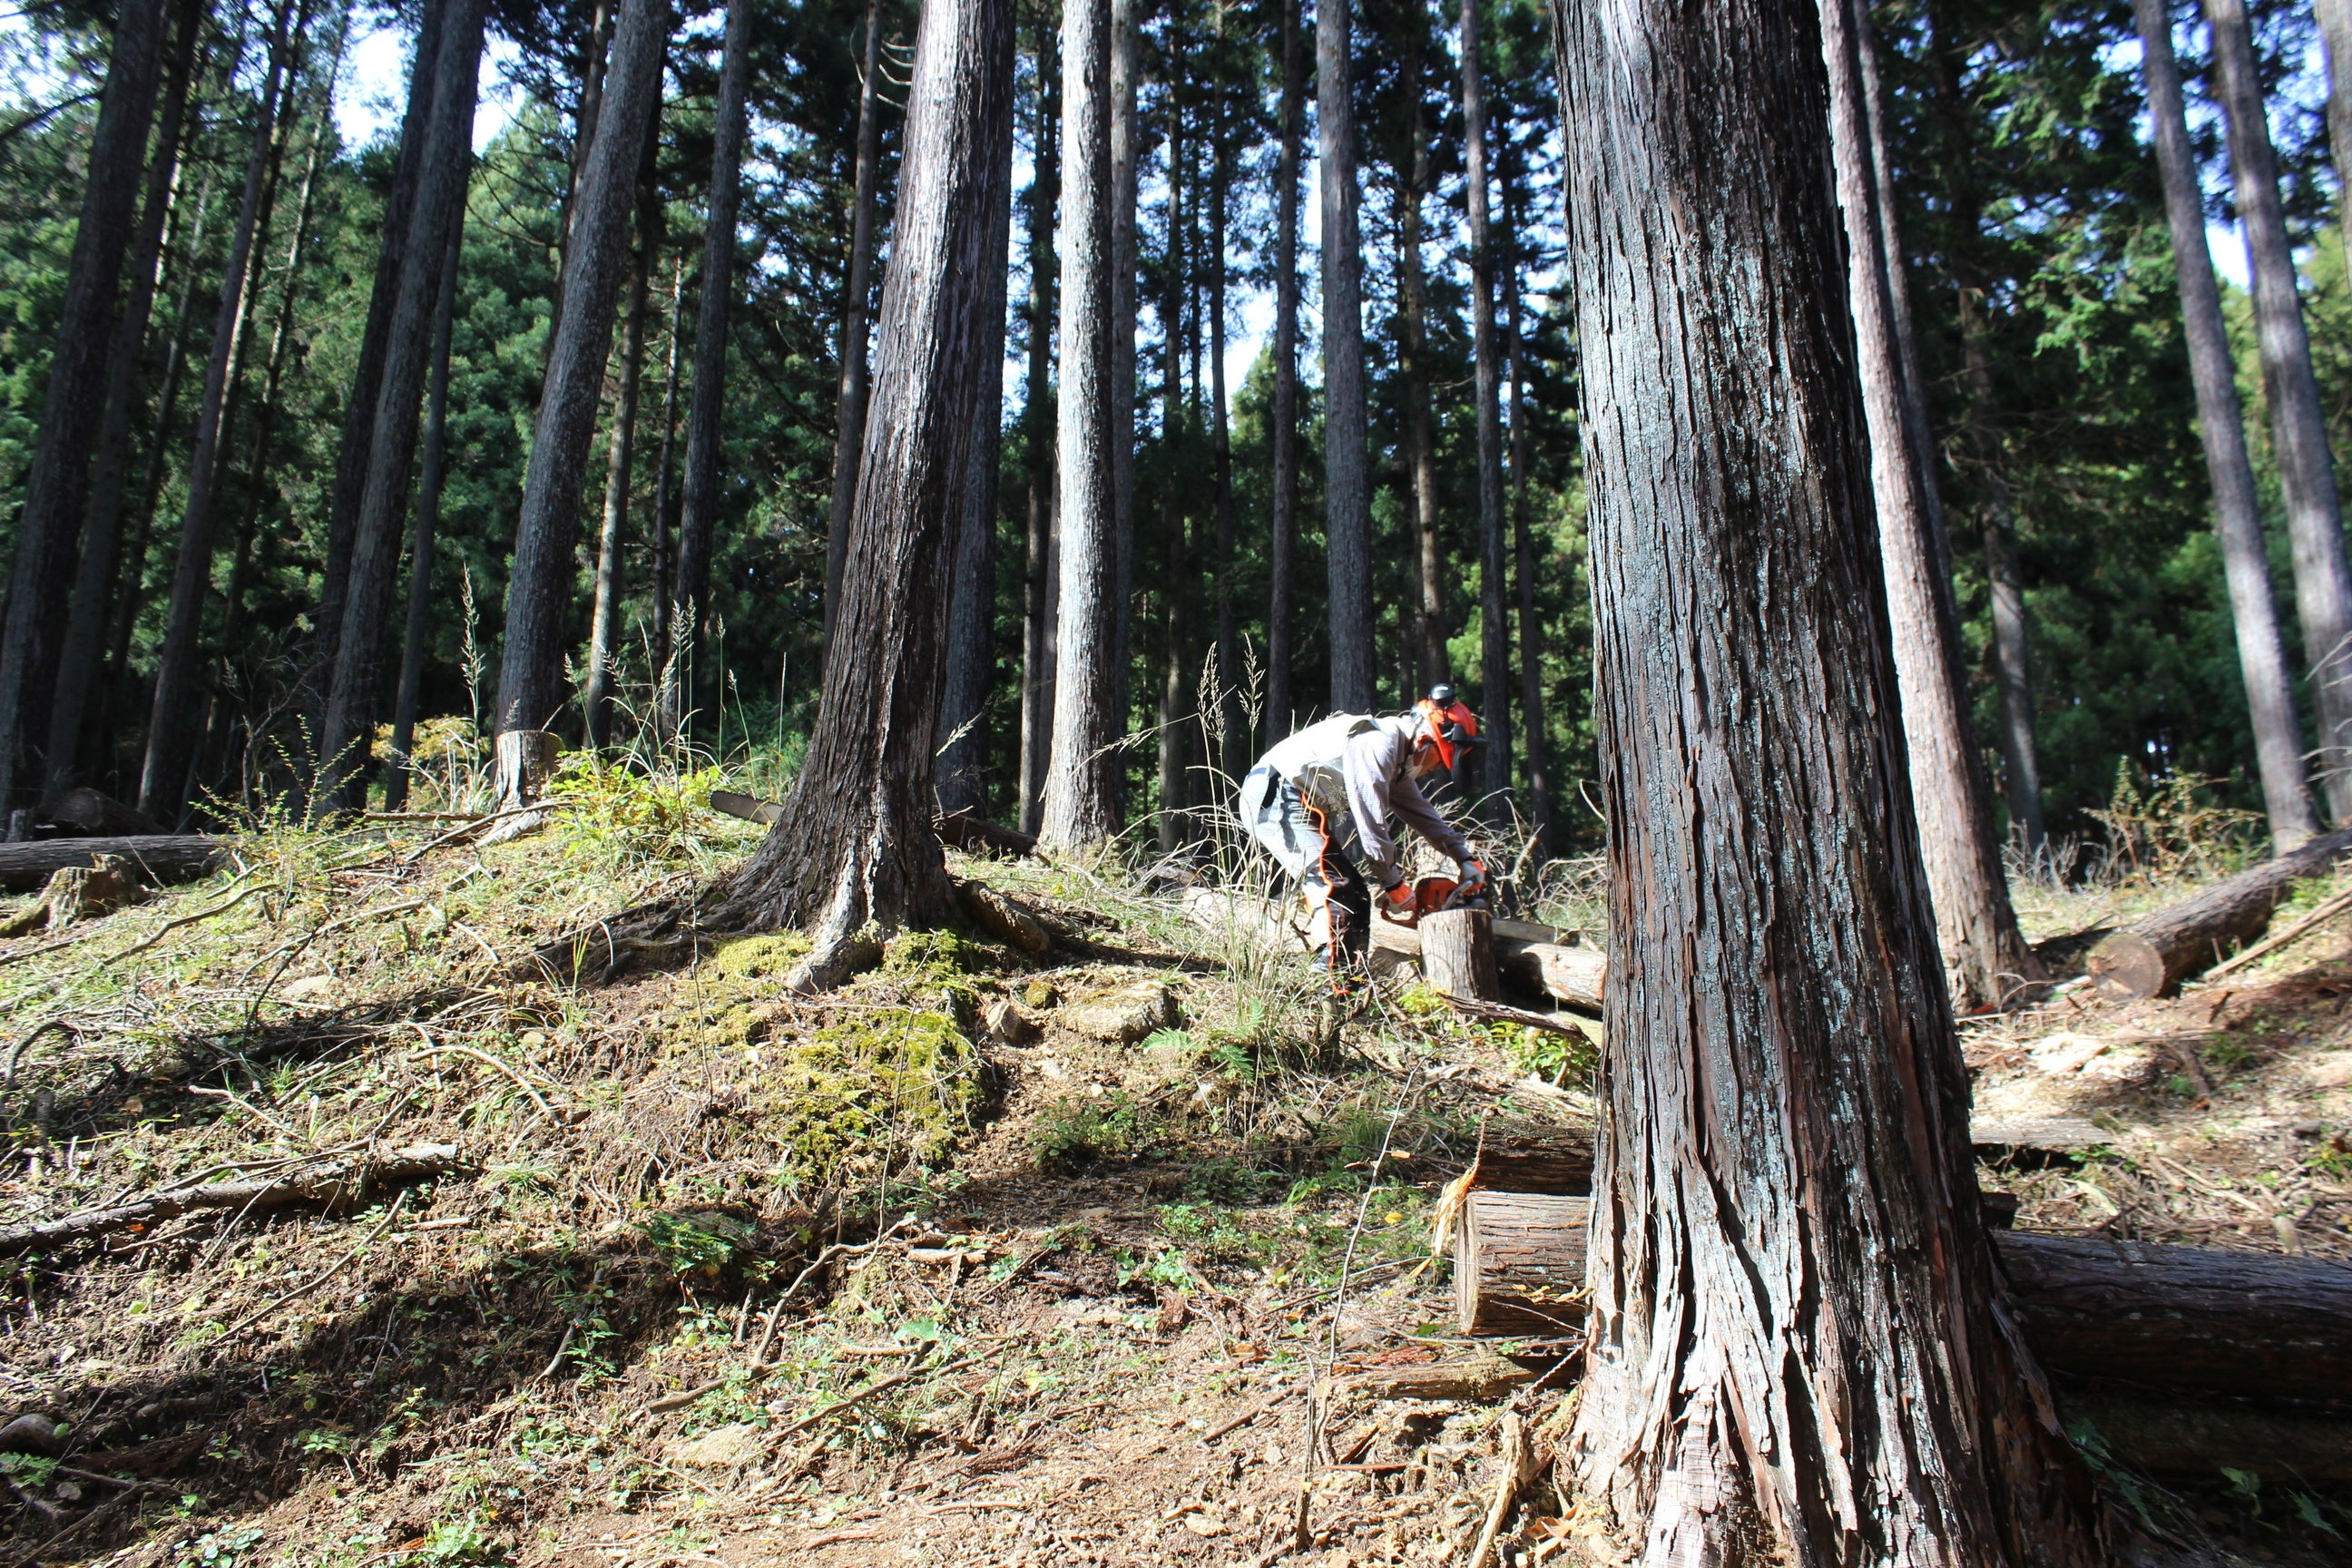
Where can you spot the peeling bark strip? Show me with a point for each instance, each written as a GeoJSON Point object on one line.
{"type": "Point", "coordinates": [1796, 1351]}
{"type": "Point", "coordinates": [857, 845]}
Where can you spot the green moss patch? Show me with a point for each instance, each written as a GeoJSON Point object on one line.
{"type": "Point", "coordinates": [898, 1084]}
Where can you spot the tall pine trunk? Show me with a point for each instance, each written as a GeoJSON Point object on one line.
{"type": "Point", "coordinates": [1796, 1347]}
{"type": "Point", "coordinates": [539, 594]}
{"type": "Point", "coordinates": [1127, 145]}
{"type": "Point", "coordinates": [603, 620]}
{"type": "Point", "coordinates": [856, 845]}
{"type": "Point", "coordinates": [1175, 596]}
{"type": "Point", "coordinates": [1282, 544]}
{"type": "Point", "coordinates": [1413, 177]}
{"type": "Point", "coordinates": [1493, 627]}
{"type": "Point", "coordinates": [849, 408]}
{"type": "Point", "coordinates": [2221, 425]}
{"type": "Point", "coordinates": [1535, 739]}
{"type": "Point", "coordinates": [163, 771]}
{"type": "Point", "coordinates": [57, 491]}
{"type": "Point", "coordinates": [595, 56]}
{"type": "Point", "coordinates": [665, 493]}
{"type": "Point", "coordinates": [1080, 782]}
{"type": "Point", "coordinates": [424, 531]}
{"type": "Point", "coordinates": [2335, 18]}
{"type": "Point", "coordinates": [1985, 956]}
{"type": "Point", "coordinates": [2307, 472]}
{"type": "Point", "coordinates": [971, 615]}
{"type": "Point", "coordinates": [352, 453]}
{"type": "Point", "coordinates": [1037, 584]}
{"type": "Point", "coordinates": [102, 536]}
{"type": "Point", "coordinates": [2009, 654]}
{"type": "Point", "coordinates": [699, 520]}
{"type": "Point", "coordinates": [1226, 727]}
{"type": "Point", "coordinates": [1347, 489]}
{"type": "Point", "coordinates": [346, 737]}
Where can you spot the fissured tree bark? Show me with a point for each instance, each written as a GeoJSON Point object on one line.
{"type": "Point", "coordinates": [856, 849]}
{"type": "Point", "coordinates": [1798, 1347]}
{"type": "Point", "coordinates": [1282, 547]}
{"type": "Point", "coordinates": [531, 688]}
{"type": "Point", "coordinates": [849, 406]}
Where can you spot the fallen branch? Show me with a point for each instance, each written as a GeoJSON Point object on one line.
{"type": "Point", "coordinates": [1518, 1468]}
{"type": "Point", "coordinates": [1252, 1413]}
{"type": "Point", "coordinates": [863, 1394]}
{"type": "Point", "coordinates": [488, 1060]}
{"type": "Point", "coordinates": [1496, 1013]}
{"type": "Point", "coordinates": [964, 830]}
{"type": "Point", "coordinates": [335, 1183]}
{"type": "Point", "coordinates": [152, 937]}
{"type": "Point", "coordinates": [171, 857]}
{"type": "Point", "coordinates": [2326, 911]}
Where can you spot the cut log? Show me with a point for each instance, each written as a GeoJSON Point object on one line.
{"type": "Point", "coordinates": [2180, 1320]}
{"type": "Point", "coordinates": [1526, 957]}
{"type": "Point", "coordinates": [1457, 953]}
{"type": "Point", "coordinates": [332, 1183]}
{"type": "Point", "coordinates": [2152, 956]}
{"type": "Point", "coordinates": [166, 857]}
{"type": "Point", "coordinates": [2179, 1439]}
{"type": "Point", "coordinates": [84, 811]}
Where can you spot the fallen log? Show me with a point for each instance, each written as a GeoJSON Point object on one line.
{"type": "Point", "coordinates": [82, 810]}
{"type": "Point", "coordinates": [747, 807]}
{"type": "Point", "coordinates": [2183, 1439]}
{"type": "Point", "coordinates": [2152, 956]}
{"type": "Point", "coordinates": [1559, 1163]}
{"type": "Point", "coordinates": [2180, 1320]}
{"type": "Point", "coordinates": [335, 1182]}
{"type": "Point", "coordinates": [167, 858]}
{"type": "Point", "coordinates": [966, 831]}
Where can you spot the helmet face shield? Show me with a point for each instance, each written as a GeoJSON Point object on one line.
{"type": "Point", "coordinates": [1448, 728]}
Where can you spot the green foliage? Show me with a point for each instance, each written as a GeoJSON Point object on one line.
{"type": "Point", "coordinates": [700, 1243]}
{"type": "Point", "coordinates": [618, 813]}
{"type": "Point", "coordinates": [1078, 1129]}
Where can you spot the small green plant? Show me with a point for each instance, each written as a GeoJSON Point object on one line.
{"type": "Point", "coordinates": [2332, 1159]}
{"type": "Point", "coordinates": [700, 1243]}
{"type": "Point", "coordinates": [2229, 1055]}
{"type": "Point", "coordinates": [221, 1548]}
{"type": "Point", "coordinates": [1073, 1131]}
{"type": "Point", "coordinates": [459, 1541]}
{"type": "Point", "coordinates": [2173, 829]}
{"type": "Point", "coordinates": [32, 1470]}
{"type": "Point", "coordinates": [624, 814]}
{"type": "Point", "coordinates": [1561, 1059]}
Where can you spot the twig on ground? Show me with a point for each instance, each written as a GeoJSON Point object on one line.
{"type": "Point", "coordinates": [1249, 1415]}
{"type": "Point", "coordinates": [863, 1394]}
{"type": "Point", "coordinates": [1517, 1458]}
{"type": "Point", "coordinates": [2325, 912]}
{"type": "Point", "coordinates": [152, 937]}
{"type": "Point", "coordinates": [487, 1059]}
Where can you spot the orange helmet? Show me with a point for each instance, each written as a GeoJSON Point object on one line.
{"type": "Point", "coordinates": [1446, 725]}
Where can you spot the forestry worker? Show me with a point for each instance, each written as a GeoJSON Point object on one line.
{"type": "Point", "coordinates": [1320, 801]}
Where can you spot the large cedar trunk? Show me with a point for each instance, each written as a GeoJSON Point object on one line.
{"type": "Point", "coordinates": [102, 535]}
{"type": "Point", "coordinates": [1127, 145]}
{"type": "Point", "coordinates": [57, 490]}
{"type": "Point", "coordinates": [1282, 606]}
{"type": "Point", "coordinates": [2306, 472]}
{"type": "Point", "coordinates": [2334, 19]}
{"type": "Point", "coordinates": [856, 845]}
{"type": "Point", "coordinates": [1080, 782]}
{"type": "Point", "coordinates": [1796, 1347]}
{"type": "Point", "coordinates": [849, 408]}
{"type": "Point", "coordinates": [163, 771]}
{"type": "Point", "coordinates": [443, 165]}
{"type": "Point", "coordinates": [689, 659]}
{"type": "Point", "coordinates": [1533, 737]}
{"type": "Point", "coordinates": [2221, 425]}
{"type": "Point", "coordinates": [1347, 485]}
{"type": "Point", "coordinates": [1413, 177]}
{"type": "Point", "coordinates": [1985, 955]}
{"type": "Point", "coordinates": [539, 595]}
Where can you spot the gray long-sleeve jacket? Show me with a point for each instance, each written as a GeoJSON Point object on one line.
{"type": "Point", "coordinates": [1362, 768]}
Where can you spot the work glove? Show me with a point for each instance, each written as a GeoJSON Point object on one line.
{"type": "Point", "coordinates": [1473, 878]}
{"type": "Point", "coordinates": [1398, 897]}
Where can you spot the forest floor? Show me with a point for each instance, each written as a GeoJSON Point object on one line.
{"type": "Point", "coordinates": [1083, 1223]}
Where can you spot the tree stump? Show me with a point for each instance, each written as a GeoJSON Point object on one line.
{"type": "Point", "coordinates": [526, 760]}
{"type": "Point", "coordinates": [1457, 953]}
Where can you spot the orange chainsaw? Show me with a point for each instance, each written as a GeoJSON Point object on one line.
{"type": "Point", "coordinates": [1429, 895]}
